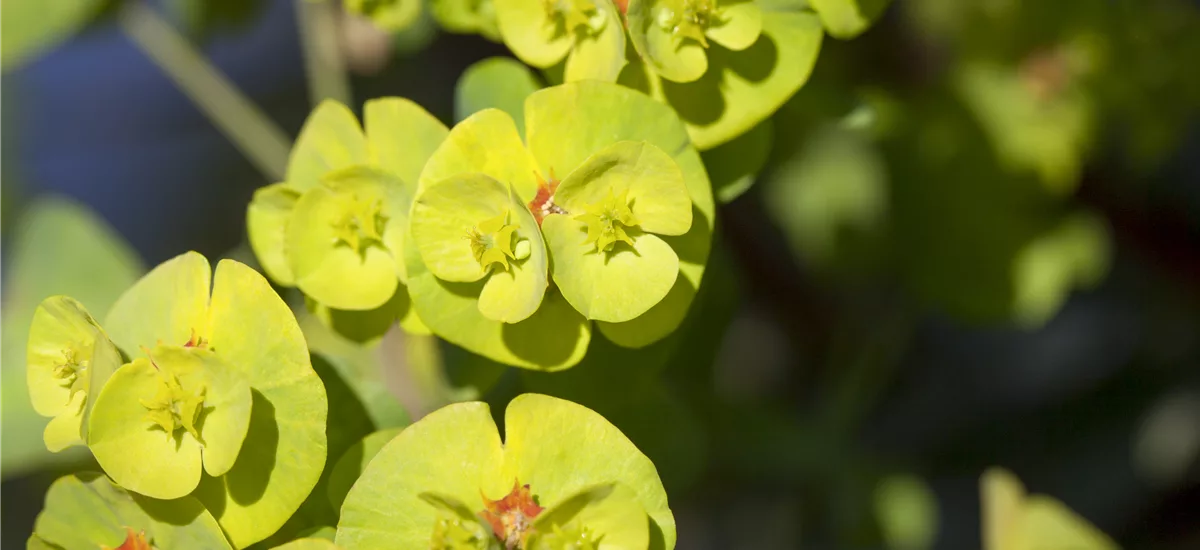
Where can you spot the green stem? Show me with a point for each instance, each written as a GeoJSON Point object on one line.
{"type": "Point", "coordinates": [256, 135]}
{"type": "Point", "coordinates": [319, 33]}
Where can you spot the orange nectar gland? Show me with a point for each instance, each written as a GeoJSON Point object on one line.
{"type": "Point", "coordinates": [511, 517]}
{"type": "Point", "coordinates": [133, 541]}
{"type": "Point", "coordinates": [542, 204]}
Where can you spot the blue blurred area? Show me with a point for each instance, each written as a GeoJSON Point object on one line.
{"type": "Point", "coordinates": [97, 121]}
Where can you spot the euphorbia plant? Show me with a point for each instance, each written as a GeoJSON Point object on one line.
{"type": "Point", "coordinates": [563, 477]}
{"type": "Point", "coordinates": [627, 229]}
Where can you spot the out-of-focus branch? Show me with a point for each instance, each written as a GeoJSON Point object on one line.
{"type": "Point", "coordinates": [256, 135]}
{"type": "Point", "coordinates": [319, 31]}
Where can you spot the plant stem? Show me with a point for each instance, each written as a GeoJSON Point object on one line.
{"type": "Point", "coordinates": [256, 135]}
{"type": "Point", "coordinates": [319, 31]}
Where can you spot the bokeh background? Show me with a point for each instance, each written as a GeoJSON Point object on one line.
{"type": "Point", "coordinates": [971, 240]}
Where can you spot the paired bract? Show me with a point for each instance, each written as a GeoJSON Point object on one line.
{"type": "Point", "coordinates": [513, 264]}
{"type": "Point", "coordinates": [563, 475]}
{"type": "Point", "coordinates": [342, 214]}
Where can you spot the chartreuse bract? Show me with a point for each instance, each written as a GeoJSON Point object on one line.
{"type": "Point", "coordinates": [723, 65]}
{"type": "Point", "coordinates": [391, 15]}
{"type": "Point", "coordinates": [215, 361]}
{"type": "Point", "coordinates": [86, 510]}
{"type": "Point", "coordinates": [510, 262]}
{"type": "Point", "coordinates": [563, 477]}
{"type": "Point", "coordinates": [1014, 520]}
{"type": "Point", "coordinates": [588, 33]}
{"type": "Point", "coordinates": [68, 360]}
{"type": "Point", "coordinates": [342, 213]}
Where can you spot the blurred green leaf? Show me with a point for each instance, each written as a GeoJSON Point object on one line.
{"type": "Point", "coordinates": [734, 166]}
{"type": "Point", "coordinates": [496, 82]}
{"type": "Point", "coordinates": [60, 248]}
{"type": "Point", "coordinates": [848, 18]}
{"type": "Point", "coordinates": [29, 27]}
{"type": "Point", "coordinates": [834, 190]}
{"type": "Point", "coordinates": [907, 511]}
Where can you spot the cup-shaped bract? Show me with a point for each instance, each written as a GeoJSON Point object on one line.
{"type": "Point", "coordinates": [608, 260]}
{"type": "Point", "coordinates": [471, 227]}
{"type": "Point", "coordinates": [563, 471]}
{"type": "Point", "coordinates": [68, 360]}
{"type": "Point", "coordinates": [736, 89]}
{"type": "Point", "coordinates": [343, 211]}
{"type": "Point", "coordinates": [485, 151]}
{"type": "Point", "coordinates": [467, 17]}
{"type": "Point", "coordinates": [389, 15]}
{"type": "Point", "coordinates": [673, 35]}
{"type": "Point", "coordinates": [86, 510]}
{"type": "Point", "coordinates": [566, 125]}
{"type": "Point", "coordinates": [243, 324]}
{"type": "Point", "coordinates": [161, 417]}
{"type": "Point", "coordinates": [623, 154]}
{"type": "Point", "coordinates": [589, 33]}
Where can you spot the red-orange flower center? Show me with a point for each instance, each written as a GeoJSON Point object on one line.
{"type": "Point", "coordinates": [511, 517]}
{"type": "Point", "coordinates": [542, 204]}
{"type": "Point", "coordinates": [133, 541]}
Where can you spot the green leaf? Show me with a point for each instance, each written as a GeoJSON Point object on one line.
{"type": "Point", "coordinates": [733, 166]}
{"type": "Point", "coordinates": [609, 513]}
{"type": "Point", "coordinates": [495, 83]}
{"type": "Point", "coordinates": [846, 19]}
{"type": "Point", "coordinates": [532, 33]}
{"type": "Point", "coordinates": [599, 56]}
{"type": "Point", "coordinates": [559, 449]}
{"type": "Point", "coordinates": [389, 15]}
{"type": "Point", "coordinates": [31, 27]}
{"type": "Point", "coordinates": [616, 113]}
{"type": "Point", "coordinates": [86, 510]}
{"type": "Point", "coordinates": [251, 328]}
{"type": "Point", "coordinates": [488, 143]}
{"type": "Point", "coordinates": [266, 226]}
{"type": "Point", "coordinates": [740, 88]}
{"type": "Point", "coordinates": [352, 463]}
{"type": "Point", "coordinates": [59, 248]}
{"type": "Point", "coordinates": [331, 139]}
